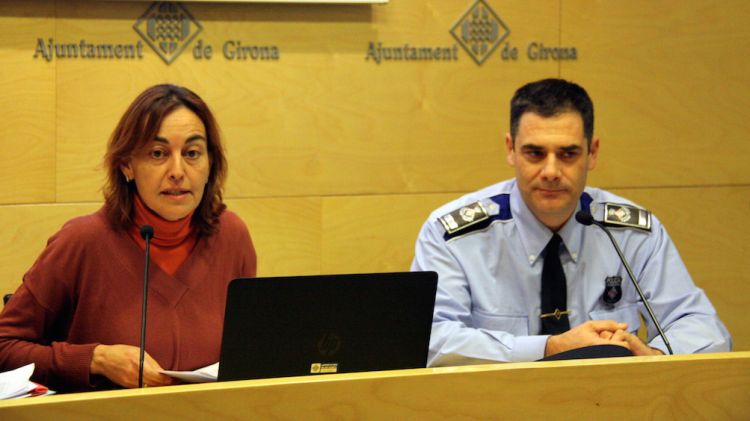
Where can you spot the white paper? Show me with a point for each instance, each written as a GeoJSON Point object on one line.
{"type": "Point", "coordinates": [208, 373]}
{"type": "Point", "coordinates": [15, 383]}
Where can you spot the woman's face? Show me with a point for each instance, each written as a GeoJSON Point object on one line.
{"type": "Point", "coordinates": [172, 170]}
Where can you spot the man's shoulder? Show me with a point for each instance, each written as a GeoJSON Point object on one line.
{"type": "Point", "coordinates": [604, 196]}
{"type": "Point", "coordinates": [617, 211]}
{"type": "Point", "coordinates": [474, 211]}
{"type": "Point", "coordinates": [503, 187]}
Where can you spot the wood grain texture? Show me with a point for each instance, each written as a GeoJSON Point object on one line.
{"type": "Point", "coordinates": [24, 230]}
{"type": "Point", "coordinates": [710, 386]}
{"type": "Point", "coordinates": [286, 233]}
{"type": "Point", "coordinates": [374, 233]}
{"type": "Point", "coordinates": [321, 120]}
{"type": "Point", "coordinates": [670, 85]}
{"type": "Point", "coordinates": [27, 104]}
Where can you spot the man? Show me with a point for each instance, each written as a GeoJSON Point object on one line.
{"type": "Point", "coordinates": [520, 279]}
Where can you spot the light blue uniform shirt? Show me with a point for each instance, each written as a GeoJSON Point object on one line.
{"type": "Point", "coordinates": [488, 300]}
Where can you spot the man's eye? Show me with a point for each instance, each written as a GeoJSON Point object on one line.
{"type": "Point", "coordinates": [534, 154]}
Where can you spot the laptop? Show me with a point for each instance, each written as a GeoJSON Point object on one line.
{"type": "Point", "coordinates": [313, 325]}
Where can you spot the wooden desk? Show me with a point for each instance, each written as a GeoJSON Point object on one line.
{"type": "Point", "coordinates": [709, 386]}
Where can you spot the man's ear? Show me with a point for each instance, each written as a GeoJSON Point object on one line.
{"type": "Point", "coordinates": [510, 153]}
{"type": "Point", "coordinates": [593, 153]}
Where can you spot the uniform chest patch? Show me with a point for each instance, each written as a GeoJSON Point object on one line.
{"type": "Point", "coordinates": [612, 289]}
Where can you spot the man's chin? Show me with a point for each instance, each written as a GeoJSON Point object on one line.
{"type": "Point", "coordinates": [556, 207]}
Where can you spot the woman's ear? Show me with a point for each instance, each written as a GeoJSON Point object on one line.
{"type": "Point", "coordinates": [127, 171]}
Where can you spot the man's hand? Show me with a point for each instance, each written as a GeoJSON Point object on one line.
{"type": "Point", "coordinates": [637, 347]}
{"type": "Point", "coordinates": [120, 364]}
{"type": "Point", "coordinates": [593, 332]}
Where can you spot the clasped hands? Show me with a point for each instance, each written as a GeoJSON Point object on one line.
{"type": "Point", "coordinates": [598, 332]}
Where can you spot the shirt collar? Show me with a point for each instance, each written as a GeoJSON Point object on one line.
{"type": "Point", "coordinates": [534, 235]}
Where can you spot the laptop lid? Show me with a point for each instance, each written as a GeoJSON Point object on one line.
{"type": "Point", "coordinates": [307, 325]}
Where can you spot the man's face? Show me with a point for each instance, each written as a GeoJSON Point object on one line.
{"type": "Point", "coordinates": [551, 159]}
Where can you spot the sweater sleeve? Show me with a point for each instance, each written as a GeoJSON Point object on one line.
{"type": "Point", "coordinates": [35, 322]}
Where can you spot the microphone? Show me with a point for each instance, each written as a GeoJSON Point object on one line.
{"type": "Point", "coordinates": [586, 218]}
{"type": "Point", "coordinates": [147, 232]}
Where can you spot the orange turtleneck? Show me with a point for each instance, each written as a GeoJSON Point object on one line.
{"type": "Point", "coordinates": [173, 240]}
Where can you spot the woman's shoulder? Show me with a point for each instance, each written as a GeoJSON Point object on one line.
{"type": "Point", "coordinates": [232, 228]}
{"type": "Point", "coordinates": [84, 229]}
{"type": "Point", "coordinates": [231, 221]}
{"type": "Point", "coordinates": [77, 241]}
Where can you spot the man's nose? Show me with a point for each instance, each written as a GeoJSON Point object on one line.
{"type": "Point", "coordinates": [551, 168]}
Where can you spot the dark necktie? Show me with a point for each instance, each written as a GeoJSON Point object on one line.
{"type": "Point", "coordinates": [554, 292]}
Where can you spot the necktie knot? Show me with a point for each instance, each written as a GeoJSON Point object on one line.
{"type": "Point", "coordinates": [553, 246]}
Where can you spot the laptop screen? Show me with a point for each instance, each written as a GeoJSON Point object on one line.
{"type": "Point", "coordinates": [310, 325]}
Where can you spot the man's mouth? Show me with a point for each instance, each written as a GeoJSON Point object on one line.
{"type": "Point", "coordinates": [545, 191]}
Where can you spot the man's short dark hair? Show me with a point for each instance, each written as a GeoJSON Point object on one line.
{"type": "Point", "coordinates": [549, 97]}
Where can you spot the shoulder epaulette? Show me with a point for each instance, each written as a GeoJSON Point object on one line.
{"type": "Point", "coordinates": [463, 217]}
{"type": "Point", "coordinates": [476, 216]}
{"type": "Point", "coordinates": [622, 215]}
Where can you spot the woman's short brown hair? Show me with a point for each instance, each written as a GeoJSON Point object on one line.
{"type": "Point", "coordinates": [139, 125]}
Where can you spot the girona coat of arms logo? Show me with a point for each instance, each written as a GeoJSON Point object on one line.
{"type": "Point", "coordinates": [167, 27]}
{"type": "Point", "coordinates": [479, 31]}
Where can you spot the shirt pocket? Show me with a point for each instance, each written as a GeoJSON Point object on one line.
{"type": "Point", "coordinates": [625, 314]}
{"type": "Point", "coordinates": [516, 324]}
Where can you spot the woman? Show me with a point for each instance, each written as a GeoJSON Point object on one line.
{"type": "Point", "coordinates": [77, 313]}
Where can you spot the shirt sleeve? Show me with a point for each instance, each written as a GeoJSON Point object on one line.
{"type": "Point", "coordinates": [33, 324]}
{"type": "Point", "coordinates": [688, 318]}
{"type": "Point", "coordinates": [454, 339]}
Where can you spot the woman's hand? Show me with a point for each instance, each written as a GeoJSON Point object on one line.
{"type": "Point", "coordinates": [120, 364]}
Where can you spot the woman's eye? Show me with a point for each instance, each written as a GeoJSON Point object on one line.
{"type": "Point", "coordinates": [193, 154]}
{"type": "Point", "coordinates": [157, 154]}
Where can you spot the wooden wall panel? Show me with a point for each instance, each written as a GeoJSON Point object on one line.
{"type": "Point", "coordinates": [286, 233]}
{"type": "Point", "coordinates": [374, 233]}
{"type": "Point", "coordinates": [671, 86]}
{"type": "Point", "coordinates": [322, 119]}
{"type": "Point", "coordinates": [27, 163]}
{"type": "Point", "coordinates": [24, 234]}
